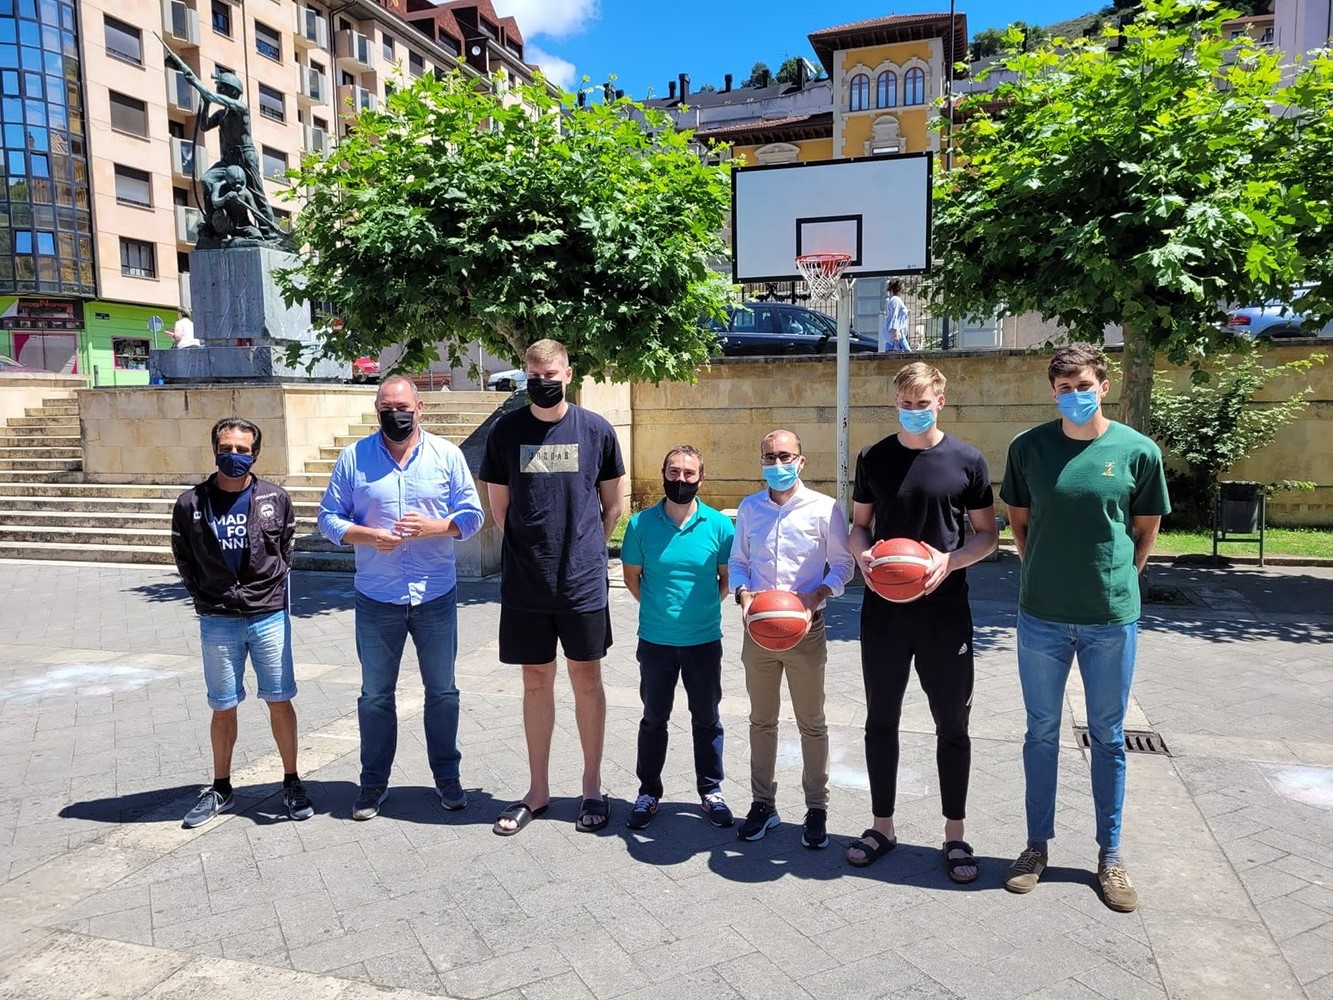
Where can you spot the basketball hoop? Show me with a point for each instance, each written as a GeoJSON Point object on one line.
{"type": "Point", "coordinates": [822, 272]}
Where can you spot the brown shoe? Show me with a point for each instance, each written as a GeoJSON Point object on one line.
{"type": "Point", "coordinates": [1118, 891]}
{"type": "Point", "coordinates": [1025, 873]}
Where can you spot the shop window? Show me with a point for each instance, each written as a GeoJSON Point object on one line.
{"type": "Point", "coordinates": [131, 353]}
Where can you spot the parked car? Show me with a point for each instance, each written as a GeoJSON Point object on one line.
{"type": "Point", "coordinates": [1274, 319]}
{"type": "Point", "coordinates": [769, 328]}
{"type": "Point", "coordinates": [511, 380]}
{"type": "Point", "coordinates": [365, 370]}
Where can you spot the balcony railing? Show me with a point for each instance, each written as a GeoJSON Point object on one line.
{"type": "Point", "coordinates": [312, 86]}
{"type": "Point", "coordinates": [359, 98]}
{"type": "Point", "coordinates": [179, 92]}
{"type": "Point", "coordinates": [180, 23]}
{"type": "Point", "coordinates": [312, 28]}
{"type": "Point", "coordinates": [355, 48]}
{"type": "Point", "coordinates": [187, 159]}
{"type": "Point", "coordinates": [187, 224]}
{"type": "Point", "coordinates": [316, 140]}
{"type": "Point", "coordinates": [184, 282]}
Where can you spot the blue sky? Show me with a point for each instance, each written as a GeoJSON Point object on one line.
{"type": "Point", "coordinates": [648, 42]}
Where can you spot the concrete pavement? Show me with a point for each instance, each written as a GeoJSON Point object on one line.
{"type": "Point", "coordinates": [106, 742]}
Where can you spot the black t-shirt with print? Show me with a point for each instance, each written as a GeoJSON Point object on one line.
{"type": "Point", "coordinates": [229, 517]}
{"type": "Point", "coordinates": [554, 554]}
{"type": "Point", "coordinates": [925, 495]}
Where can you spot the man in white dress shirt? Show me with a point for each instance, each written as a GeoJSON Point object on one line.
{"type": "Point", "coordinates": [791, 538]}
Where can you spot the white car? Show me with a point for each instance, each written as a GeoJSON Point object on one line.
{"type": "Point", "coordinates": [513, 380]}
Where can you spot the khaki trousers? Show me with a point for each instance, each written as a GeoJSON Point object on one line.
{"type": "Point", "coordinates": [804, 667]}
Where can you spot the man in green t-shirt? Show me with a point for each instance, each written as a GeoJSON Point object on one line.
{"type": "Point", "coordinates": [675, 560]}
{"type": "Point", "coordinates": [1086, 497]}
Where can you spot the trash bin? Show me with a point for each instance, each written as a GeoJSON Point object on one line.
{"type": "Point", "coordinates": [1241, 503]}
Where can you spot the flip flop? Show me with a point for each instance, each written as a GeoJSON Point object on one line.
{"type": "Point", "coordinates": [967, 861]}
{"type": "Point", "coordinates": [882, 846]}
{"type": "Point", "coordinates": [521, 813]}
{"type": "Point", "coordinates": [594, 807]}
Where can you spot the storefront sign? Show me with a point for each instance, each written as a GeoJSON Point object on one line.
{"type": "Point", "coordinates": [43, 314]}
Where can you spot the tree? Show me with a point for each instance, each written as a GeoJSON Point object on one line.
{"type": "Point", "coordinates": [788, 71]}
{"type": "Point", "coordinates": [759, 71]}
{"type": "Point", "coordinates": [987, 43]}
{"type": "Point", "coordinates": [459, 214]}
{"type": "Point", "coordinates": [1212, 424]}
{"type": "Point", "coordinates": [1146, 186]}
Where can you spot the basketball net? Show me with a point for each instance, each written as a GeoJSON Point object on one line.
{"type": "Point", "coordinates": [822, 272]}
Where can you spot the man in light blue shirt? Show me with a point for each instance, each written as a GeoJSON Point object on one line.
{"type": "Point", "coordinates": [402, 496]}
{"type": "Point", "coordinates": [675, 561]}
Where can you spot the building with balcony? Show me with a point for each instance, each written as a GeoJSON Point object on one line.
{"type": "Point", "coordinates": [103, 157]}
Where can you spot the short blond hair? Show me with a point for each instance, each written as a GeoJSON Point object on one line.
{"type": "Point", "coordinates": [919, 375]}
{"type": "Point", "coordinates": [546, 352]}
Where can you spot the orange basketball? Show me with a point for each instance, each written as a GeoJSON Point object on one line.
{"type": "Point", "coordinates": [898, 568]}
{"type": "Point", "coordinates": [776, 620]}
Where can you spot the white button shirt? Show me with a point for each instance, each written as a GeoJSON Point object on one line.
{"type": "Point", "coordinates": [794, 546]}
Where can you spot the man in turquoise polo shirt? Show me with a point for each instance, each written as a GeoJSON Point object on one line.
{"type": "Point", "coordinates": [675, 558]}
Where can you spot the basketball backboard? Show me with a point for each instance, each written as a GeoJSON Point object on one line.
{"type": "Point", "coordinates": [876, 208]}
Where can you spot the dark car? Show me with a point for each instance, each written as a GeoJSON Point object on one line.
{"type": "Point", "coordinates": [768, 328]}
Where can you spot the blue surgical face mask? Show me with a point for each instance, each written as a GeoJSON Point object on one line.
{"type": "Point", "coordinates": [781, 477]}
{"type": "Point", "coordinates": [234, 466]}
{"type": "Point", "coordinates": [916, 421]}
{"type": "Point", "coordinates": [1078, 407]}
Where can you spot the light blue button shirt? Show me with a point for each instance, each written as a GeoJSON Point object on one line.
{"type": "Point", "coordinates": [369, 488]}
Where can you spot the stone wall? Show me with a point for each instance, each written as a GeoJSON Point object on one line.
{"type": "Point", "coordinates": [615, 403]}
{"type": "Point", "coordinates": [20, 392]}
{"type": "Point", "coordinates": [992, 396]}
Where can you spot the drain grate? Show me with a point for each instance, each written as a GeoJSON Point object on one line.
{"type": "Point", "coordinates": [1136, 741]}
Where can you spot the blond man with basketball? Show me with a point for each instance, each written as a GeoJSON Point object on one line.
{"type": "Point", "coordinates": [788, 537]}
{"type": "Point", "coordinates": [922, 484]}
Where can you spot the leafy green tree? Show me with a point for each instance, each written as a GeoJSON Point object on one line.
{"type": "Point", "coordinates": [788, 70]}
{"type": "Point", "coordinates": [757, 72]}
{"type": "Point", "coordinates": [1212, 424]}
{"type": "Point", "coordinates": [987, 43]}
{"type": "Point", "coordinates": [1146, 186]}
{"type": "Point", "coordinates": [460, 214]}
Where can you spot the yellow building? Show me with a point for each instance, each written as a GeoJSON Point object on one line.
{"type": "Point", "coordinates": [102, 156]}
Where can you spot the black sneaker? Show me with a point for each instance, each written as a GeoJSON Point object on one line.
{"type": "Point", "coordinates": [716, 809]}
{"type": "Point", "coordinates": [815, 834]}
{"type": "Point", "coordinates": [645, 807]}
{"type": "Point", "coordinates": [451, 794]}
{"type": "Point", "coordinates": [763, 817]}
{"type": "Point", "coordinates": [368, 802]}
{"type": "Point", "coordinates": [297, 801]}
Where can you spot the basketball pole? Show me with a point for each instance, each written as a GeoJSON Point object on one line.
{"type": "Point", "coordinates": [845, 301]}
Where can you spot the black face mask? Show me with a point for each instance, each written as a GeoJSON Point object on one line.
{"type": "Point", "coordinates": [398, 425]}
{"type": "Point", "coordinates": [546, 392]}
{"type": "Point", "coordinates": [679, 491]}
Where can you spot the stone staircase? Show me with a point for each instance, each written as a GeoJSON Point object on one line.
{"type": "Point", "coordinates": [46, 513]}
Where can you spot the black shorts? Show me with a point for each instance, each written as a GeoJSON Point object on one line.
{"type": "Point", "coordinates": [529, 637]}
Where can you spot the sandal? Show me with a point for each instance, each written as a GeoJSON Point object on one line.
{"type": "Point", "coordinates": [520, 813]}
{"type": "Point", "coordinates": [870, 854]}
{"type": "Point", "coordinates": [967, 861]}
{"type": "Point", "coordinates": [600, 808]}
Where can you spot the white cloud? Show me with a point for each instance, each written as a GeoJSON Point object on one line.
{"type": "Point", "coordinates": [553, 18]}
{"type": "Point", "coordinates": [558, 71]}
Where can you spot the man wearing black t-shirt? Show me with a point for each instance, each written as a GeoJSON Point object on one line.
{"type": "Point", "coordinates": [921, 484]}
{"type": "Point", "coordinates": [553, 475]}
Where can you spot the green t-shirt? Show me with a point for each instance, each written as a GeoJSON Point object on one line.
{"type": "Point", "coordinates": [1078, 564]}
{"type": "Point", "coordinates": [679, 603]}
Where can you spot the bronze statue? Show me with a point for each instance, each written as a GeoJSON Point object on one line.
{"type": "Point", "coordinates": [235, 205]}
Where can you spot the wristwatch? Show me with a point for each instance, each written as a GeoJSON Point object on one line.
{"type": "Point", "coordinates": [738, 592]}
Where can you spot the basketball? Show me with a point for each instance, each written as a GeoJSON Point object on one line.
{"type": "Point", "coordinates": [776, 620]}
{"type": "Point", "coordinates": [898, 568]}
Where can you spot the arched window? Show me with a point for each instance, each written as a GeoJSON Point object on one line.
{"type": "Point", "coordinates": [914, 86]}
{"type": "Point", "coordinates": [860, 100]}
{"type": "Point", "coordinates": [886, 90]}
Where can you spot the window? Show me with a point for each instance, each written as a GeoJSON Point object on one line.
{"type": "Point", "coordinates": [348, 80]}
{"type": "Point", "coordinates": [131, 353]}
{"type": "Point", "coordinates": [129, 115]}
{"type": "Point", "coordinates": [272, 104]}
{"type": "Point", "coordinates": [914, 86]}
{"type": "Point", "coordinates": [138, 259]}
{"type": "Point", "coordinates": [388, 48]}
{"type": "Point", "coordinates": [133, 187]}
{"type": "Point", "coordinates": [123, 41]}
{"type": "Point", "coordinates": [886, 90]}
{"type": "Point", "coordinates": [415, 64]}
{"type": "Point", "coordinates": [449, 44]}
{"type": "Point", "coordinates": [268, 42]}
{"type": "Point", "coordinates": [275, 163]}
{"type": "Point", "coordinates": [860, 97]}
{"type": "Point", "coordinates": [222, 17]}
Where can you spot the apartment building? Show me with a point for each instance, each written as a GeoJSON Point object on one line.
{"type": "Point", "coordinates": [103, 156]}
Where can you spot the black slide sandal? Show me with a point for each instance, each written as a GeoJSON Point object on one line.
{"type": "Point", "coordinates": [594, 807]}
{"type": "Point", "coordinates": [521, 813]}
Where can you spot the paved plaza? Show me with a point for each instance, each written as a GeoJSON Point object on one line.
{"type": "Point", "coordinates": [105, 744]}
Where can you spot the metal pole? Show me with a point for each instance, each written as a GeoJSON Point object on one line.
{"type": "Point", "coordinates": [845, 301]}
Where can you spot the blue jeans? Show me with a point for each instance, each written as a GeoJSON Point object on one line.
{"type": "Point", "coordinates": [226, 639]}
{"type": "Point", "coordinates": [1105, 654]}
{"type": "Point", "coordinates": [381, 633]}
{"type": "Point", "coordinates": [700, 668]}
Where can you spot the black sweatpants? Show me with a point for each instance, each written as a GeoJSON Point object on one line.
{"type": "Point", "coordinates": [939, 639]}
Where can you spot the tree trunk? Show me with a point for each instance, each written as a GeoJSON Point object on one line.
{"type": "Point", "coordinates": [1136, 389]}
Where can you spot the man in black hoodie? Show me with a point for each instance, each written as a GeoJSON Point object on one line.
{"type": "Point", "coordinates": [232, 536]}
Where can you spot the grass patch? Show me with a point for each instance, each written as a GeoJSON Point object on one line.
{"type": "Point", "coordinates": [618, 536]}
{"type": "Point", "coordinates": [1311, 542]}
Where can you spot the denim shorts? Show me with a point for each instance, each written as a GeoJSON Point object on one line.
{"type": "Point", "coordinates": [227, 638]}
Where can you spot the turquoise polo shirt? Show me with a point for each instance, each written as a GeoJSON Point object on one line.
{"type": "Point", "coordinates": [678, 601]}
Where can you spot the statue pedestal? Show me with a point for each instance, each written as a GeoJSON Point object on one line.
{"type": "Point", "coordinates": [235, 297]}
